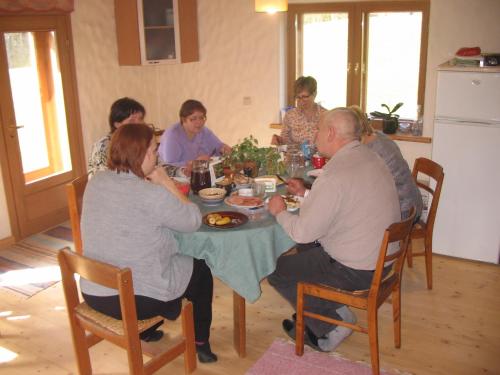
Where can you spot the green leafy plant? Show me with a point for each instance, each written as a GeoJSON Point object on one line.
{"type": "Point", "coordinates": [248, 152]}
{"type": "Point", "coordinates": [391, 120]}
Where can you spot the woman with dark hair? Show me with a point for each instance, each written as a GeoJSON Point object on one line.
{"type": "Point", "coordinates": [123, 111]}
{"type": "Point", "coordinates": [301, 123]}
{"type": "Point", "coordinates": [129, 214]}
{"type": "Point", "coordinates": [190, 139]}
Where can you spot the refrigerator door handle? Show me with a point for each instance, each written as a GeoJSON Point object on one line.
{"type": "Point", "coordinates": [452, 120]}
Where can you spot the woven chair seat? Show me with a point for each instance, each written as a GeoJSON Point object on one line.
{"type": "Point", "coordinates": [109, 323]}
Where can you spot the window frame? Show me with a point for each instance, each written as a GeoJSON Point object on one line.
{"type": "Point", "coordinates": [357, 48]}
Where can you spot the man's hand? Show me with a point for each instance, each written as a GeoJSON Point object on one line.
{"type": "Point", "coordinates": [296, 187]}
{"type": "Point", "coordinates": [276, 205]}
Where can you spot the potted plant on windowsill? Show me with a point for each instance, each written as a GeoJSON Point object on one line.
{"type": "Point", "coordinates": [390, 119]}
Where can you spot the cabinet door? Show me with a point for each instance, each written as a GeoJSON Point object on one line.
{"type": "Point", "coordinates": [159, 31]}
{"type": "Point", "coordinates": [156, 31]}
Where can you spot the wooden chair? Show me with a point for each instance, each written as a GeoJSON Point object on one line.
{"type": "Point", "coordinates": [369, 299]}
{"type": "Point", "coordinates": [74, 193]}
{"type": "Point", "coordinates": [124, 333]}
{"type": "Point", "coordinates": [424, 229]}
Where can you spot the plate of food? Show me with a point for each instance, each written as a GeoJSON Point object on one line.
{"type": "Point", "coordinates": [224, 219]}
{"type": "Point", "coordinates": [240, 201]}
{"type": "Point", "coordinates": [292, 202]}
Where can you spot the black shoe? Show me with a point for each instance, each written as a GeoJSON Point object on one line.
{"type": "Point", "coordinates": [310, 339]}
{"type": "Point", "coordinates": [153, 336]}
{"type": "Point", "coordinates": [205, 354]}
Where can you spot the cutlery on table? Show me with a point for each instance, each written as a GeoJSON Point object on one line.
{"type": "Point", "coordinates": [281, 179]}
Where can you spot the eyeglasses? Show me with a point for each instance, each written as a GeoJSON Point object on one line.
{"type": "Point", "coordinates": [196, 118]}
{"type": "Point", "coordinates": [302, 97]}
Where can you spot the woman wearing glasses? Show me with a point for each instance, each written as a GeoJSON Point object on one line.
{"type": "Point", "coordinates": [301, 123]}
{"type": "Point", "coordinates": [189, 139]}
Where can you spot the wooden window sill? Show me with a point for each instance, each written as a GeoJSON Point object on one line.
{"type": "Point", "coordinates": [396, 137]}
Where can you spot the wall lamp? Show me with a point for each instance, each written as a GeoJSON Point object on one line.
{"type": "Point", "coordinates": [271, 6]}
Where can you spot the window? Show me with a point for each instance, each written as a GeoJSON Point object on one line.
{"type": "Point", "coordinates": [38, 100]}
{"type": "Point", "coordinates": [364, 53]}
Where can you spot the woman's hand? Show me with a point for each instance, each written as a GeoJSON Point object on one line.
{"type": "Point", "coordinates": [225, 149]}
{"type": "Point", "coordinates": [276, 205]}
{"type": "Point", "coordinates": [296, 186]}
{"type": "Point", "coordinates": [276, 140]}
{"type": "Point", "coordinates": [159, 177]}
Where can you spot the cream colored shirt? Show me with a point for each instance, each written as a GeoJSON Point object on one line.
{"type": "Point", "coordinates": [348, 209]}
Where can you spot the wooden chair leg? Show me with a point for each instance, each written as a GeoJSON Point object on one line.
{"type": "Point", "coordinates": [373, 339]}
{"type": "Point", "coordinates": [396, 316]}
{"type": "Point", "coordinates": [188, 333]}
{"type": "Point", "coordinates": [409, 254]}
{"type": "Point", "coordinates": [428, 260]}
{"type": "Point", "coordinates": [134, 354]}
{"type": "Point", "coordinates": [299, 325]}
{"type": "Point", "coordinates": [81, 349]}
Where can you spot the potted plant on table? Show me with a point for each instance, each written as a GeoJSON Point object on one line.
{"type": "Point", "coordinates": [247, 155]}
{"type": "Point", "coordinates": [390, 119]}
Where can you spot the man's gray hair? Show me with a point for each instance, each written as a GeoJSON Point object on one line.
{"type": "Point", "coordinates": [345, 122]}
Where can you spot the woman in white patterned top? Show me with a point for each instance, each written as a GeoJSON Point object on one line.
{"type": "Point", "coordinates": [301, 123]}
{"type": "Point", "coordinates": [123, 111]}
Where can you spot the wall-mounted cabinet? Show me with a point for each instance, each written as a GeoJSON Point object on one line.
{"type": "Point", "coordinates": [156, 31]}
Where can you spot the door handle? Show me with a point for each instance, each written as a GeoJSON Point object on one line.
{"type": "Point", "coordinates": [16, 126]}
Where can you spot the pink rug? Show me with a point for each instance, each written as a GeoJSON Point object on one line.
{"type": "Point", "coordinates": [280, 358]}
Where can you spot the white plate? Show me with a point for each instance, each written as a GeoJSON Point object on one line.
{"type": "Point", "coordinates": [314, 173]}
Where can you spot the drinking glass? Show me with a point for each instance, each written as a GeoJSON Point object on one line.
{"type": "Point", "coordinates": [295, 164]}
{"type": "Point", "coordinates": [259, 189]}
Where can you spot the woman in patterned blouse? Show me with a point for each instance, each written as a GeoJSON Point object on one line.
{"type": "Point", "coordinates": [301, 123]}
{"type": "Point", "coordinates": [123, 111]}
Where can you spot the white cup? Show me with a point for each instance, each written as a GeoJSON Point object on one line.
{"type": "Point", "coordinates": [245, 192]}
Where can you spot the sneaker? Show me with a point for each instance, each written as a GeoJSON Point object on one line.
{"type": "Point", "coordinates": [310, 339]}
{"type": "Point", "coordinates": [205, 354]}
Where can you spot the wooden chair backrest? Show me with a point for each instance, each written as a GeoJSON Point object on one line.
{"type": "Point", "coordinates": [103, 274]}
{"type": "Point", "coordinates": [435, 171]}
{"type": "Point", "coordinates": [74, 193]}
{"type": "Point", "coordinates": [397, 232]}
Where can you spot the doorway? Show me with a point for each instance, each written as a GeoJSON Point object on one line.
{"type": "Point", "coordinates": [39, 120]}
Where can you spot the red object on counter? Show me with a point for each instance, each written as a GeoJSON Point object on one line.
{"type": "Point", "coordinates": [468, 51]}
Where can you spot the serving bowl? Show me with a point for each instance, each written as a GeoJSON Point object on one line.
{"type": "Point", "coordinates": [212, 194]}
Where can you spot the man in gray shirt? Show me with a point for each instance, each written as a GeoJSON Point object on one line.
{"type": "Point", "coordinates": [347, 210]}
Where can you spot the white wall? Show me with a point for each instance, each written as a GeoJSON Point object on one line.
{"type": "Point", "coordinates": [241, 54]}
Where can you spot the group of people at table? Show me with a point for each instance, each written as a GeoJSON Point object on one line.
{"type": "Point", "coordinates": [131, 208]}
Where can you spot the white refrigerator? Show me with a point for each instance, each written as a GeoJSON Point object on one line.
{"type": "Point", "coordinates": [466, 143]}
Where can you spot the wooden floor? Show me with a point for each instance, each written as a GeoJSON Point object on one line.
{"type": "Point", "coordinates": [454, 329]}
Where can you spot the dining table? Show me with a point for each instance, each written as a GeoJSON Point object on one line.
{"type": "Point", "coordinates": [240, 256]}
